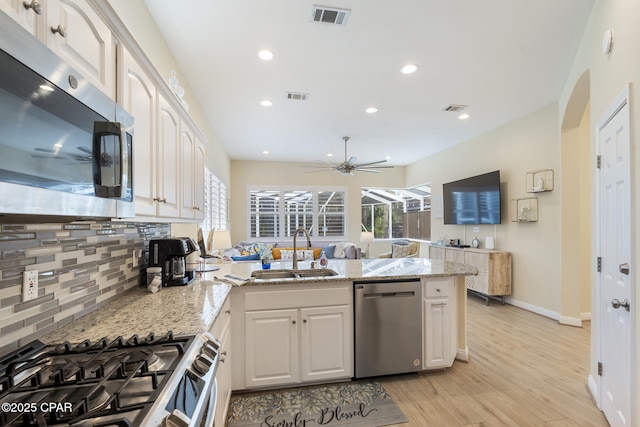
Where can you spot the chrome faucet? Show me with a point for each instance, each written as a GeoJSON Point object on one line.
{"type": "Point", "coordinates": [295, 248]}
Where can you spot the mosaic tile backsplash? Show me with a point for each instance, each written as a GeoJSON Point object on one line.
{"type": "Point", "coordinates": [80, 266]}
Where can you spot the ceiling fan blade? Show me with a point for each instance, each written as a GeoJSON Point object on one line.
{"type": "Point", "coordinates": [367, 170]}
{"type": "Point", "coordinates": [351, 161]}
{"type": "Point", "coordinates": [379, 167]}
{"type": "Point", "coordinates": [371, 163]}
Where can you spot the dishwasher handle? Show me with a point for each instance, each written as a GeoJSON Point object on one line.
{"type": "Point", "coordinates": [389, 294]}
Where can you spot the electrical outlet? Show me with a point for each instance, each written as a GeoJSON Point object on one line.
{"type": "Point", "coordinates": [476, 229]}
{"type": "Point", "coordinates": [29, 285]}
{"type": "Point", "coordinates": [134, 260]}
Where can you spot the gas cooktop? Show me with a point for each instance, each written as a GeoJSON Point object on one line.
{"type": "Point", "coordinates": [119, 382]}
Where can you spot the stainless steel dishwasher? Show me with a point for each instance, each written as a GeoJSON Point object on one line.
{"type": "Point", "coordinates": [388, 327]}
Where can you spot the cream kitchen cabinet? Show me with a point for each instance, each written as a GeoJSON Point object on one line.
{"type": "Point", "coordinates": [30, 17]}
{"type": "Point", "coordinates": [192, 193]}
{"type": "Point", "coordinates": [221, 330]}
{"type": "Point", "coordinates": [292, 335]}
{"type": "Point", "coordinates": [439, 323]}
{"type": "Point", "coordinates": [168, 176]}
{"type": "Point", "coordinates": [75, 32]}
{"type": "Point", "coordinates": [138, 97]}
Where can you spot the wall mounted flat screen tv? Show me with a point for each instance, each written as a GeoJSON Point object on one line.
{"type": "Point", "coordinates": [474, 200]}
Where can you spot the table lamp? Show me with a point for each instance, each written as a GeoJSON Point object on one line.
{"type": "Point", "coordinates": [366, 237]}
{"type": "Point", "coordinates": [221, 240]}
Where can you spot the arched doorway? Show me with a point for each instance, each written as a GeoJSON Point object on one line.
{"type": "Point", "coordinates": [576, 206]}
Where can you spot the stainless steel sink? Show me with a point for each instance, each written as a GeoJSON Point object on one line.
{"type": "Point", "coordinates": [317, 272]}
{"type": "Point", "coordinates": [292, 274]}
{"type": "Point", "coordinates": [274, 274]}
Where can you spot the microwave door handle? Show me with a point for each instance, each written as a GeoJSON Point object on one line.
{"type": "Point", "coordinates": [100, 131]}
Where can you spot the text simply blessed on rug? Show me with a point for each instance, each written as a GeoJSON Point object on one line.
{"type": "Point", "coordinates": [353, 404]}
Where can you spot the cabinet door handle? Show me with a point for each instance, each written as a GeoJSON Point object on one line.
{"type": "Point", "coordinates": [227, 311]}
{"type": "Point", "coordinates": [304, 321]}
{"type": "Point", "coordinates": [294, 322]}
{"type": "Point", "coordinates": [35, 5]}
{"type": "Point", "coordinates": [60, 30]}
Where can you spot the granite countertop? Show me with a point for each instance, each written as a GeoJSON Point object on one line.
{"type": "Point", "coordinates": [181, 309]}
{"type": "Point", "coordinates": [193, 308]}
{"type": "Point", "coordinates": [371, 269]}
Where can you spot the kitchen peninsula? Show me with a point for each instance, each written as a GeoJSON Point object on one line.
{"type": "Point", "coordinates": [286, 331]}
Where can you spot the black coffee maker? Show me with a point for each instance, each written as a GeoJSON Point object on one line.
{"type": "Point", "coordinates": [171, 254]}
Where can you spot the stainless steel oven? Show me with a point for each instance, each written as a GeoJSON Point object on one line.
{"type": "Point", "coordinates": [140, 381]}
{"type": "Point", "coordinates": [66, 147]}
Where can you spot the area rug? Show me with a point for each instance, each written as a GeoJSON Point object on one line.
{"type": "Point", "coordinates": [353, 404]}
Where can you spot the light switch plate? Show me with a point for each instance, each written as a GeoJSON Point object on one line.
{"type": "Point", "coordinates": [476, 229]}
{"type": "Point", "coordinates": [29, 285]}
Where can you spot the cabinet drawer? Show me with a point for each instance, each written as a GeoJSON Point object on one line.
{"type": "Point", "coordinates": [221, 320]}
{"type": "Point", "coordinates": [437, 290]}
{"type": "Point", "coordinates": [440, 288]}
{"type": "Point", "coordinates": [273, 300]}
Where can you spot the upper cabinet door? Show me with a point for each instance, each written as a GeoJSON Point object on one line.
{"type": "Point", "coordinates": [138, 97]}
{"type": "Point", "coordinates": [77, 35]}
{"type": "Point", "coordinates": [187, 209]}
{"type": "Point", "coordinates": [169, 179]}
{"type": "Point", "coordinates": [27, 16]}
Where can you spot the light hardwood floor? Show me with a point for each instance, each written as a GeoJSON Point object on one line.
{"type": "Point", "coordinates": [524, 370]}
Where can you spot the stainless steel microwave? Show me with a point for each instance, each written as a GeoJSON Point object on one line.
{"type": "Point", "coordinates": [65, 146]}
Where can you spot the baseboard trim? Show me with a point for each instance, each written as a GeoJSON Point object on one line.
{"type": "Point", "coordinates": [592, 387]}
{"type": "Point", "coordinates": [534, 308]}
{"type": "Point", "coordinates": [463, 354]}
{"type": "Point", "coordinates": [585, 317]}
{"type": "Point", "coordinates": [570, 321]}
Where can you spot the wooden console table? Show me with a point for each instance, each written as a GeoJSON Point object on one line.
{"type": "Point", "coordinates": [494, 269]}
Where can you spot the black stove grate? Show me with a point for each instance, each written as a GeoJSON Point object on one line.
{"type": "Point", "coordinates": [100, 379]}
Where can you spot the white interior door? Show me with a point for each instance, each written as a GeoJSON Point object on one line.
{"type": "Point", "coordinates": [615, 324]}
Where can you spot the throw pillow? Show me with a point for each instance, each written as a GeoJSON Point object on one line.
{"type": "Point", "coordinates": [329, 250]}
{"type": "Point", "coordinates": [350, 251]}
{"type": "Point", "coordinates": [339, 252]}
{"type": "Point", "coordinates": [287, 254]}
{"type": "Point", "coordinates": [400, 251]}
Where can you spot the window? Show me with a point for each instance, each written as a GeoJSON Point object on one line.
{"type": "Point", "coordinates": [394, 213]}
{"type": "Point", "coordinates": [277, 213]}
{"type": "Point", "coordinates": [215, 203]}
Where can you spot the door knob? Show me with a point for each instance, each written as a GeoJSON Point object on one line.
{"type": "Point", "coordinates": [624, 268]}
{"type": "Point", "coordinates": [615, 303]}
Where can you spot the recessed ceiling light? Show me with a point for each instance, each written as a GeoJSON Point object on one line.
{"type": "Point", "coordinates": [329, 154]}
{"type": "Point", "coordinates": [46, 88]}
{"type": "Point", "coordinates": [463, 116]}
{"type": "Point", "coordinates": [265, 55]}
{"type": "Point", "coordinates": [409, 68]}
{"type": "Point", "coordinates": [266, 103]}
{"type": "Point", "coordinates": [388, 157]}
{"type": "Point", "coordinates": [371, 110]}
{"type": "Point", "coordinates": [265, 151]}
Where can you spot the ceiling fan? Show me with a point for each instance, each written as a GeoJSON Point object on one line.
{"type": "Point", "coordinates": [349, 166]}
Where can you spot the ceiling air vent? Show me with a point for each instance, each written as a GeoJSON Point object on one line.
{"type": "Point", "coordinates": [454, 107]}
{"type": "Point", "coordinates": [329, 15]}
{"type": "Point", "coordinates": [297, 96]}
